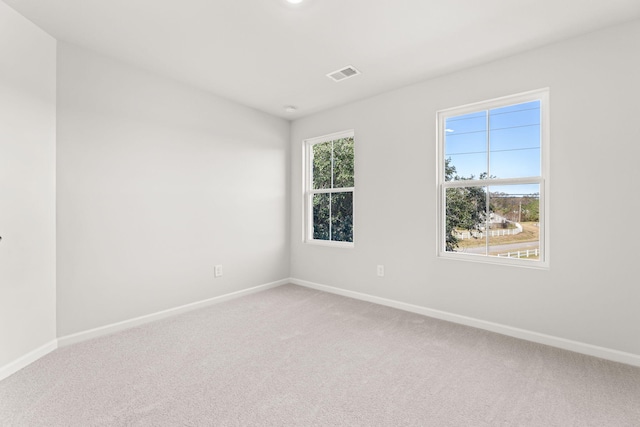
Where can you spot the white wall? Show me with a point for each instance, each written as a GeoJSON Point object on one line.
{"type": "Point", "coordinates": [591, 293]}
{"type": "Point", "coordinates": [27, 187]}
{"type": "Point", "coordinates": [157, 183]}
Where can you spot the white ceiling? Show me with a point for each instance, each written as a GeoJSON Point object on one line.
{"type": "Point", "coordinates": [267, 54]}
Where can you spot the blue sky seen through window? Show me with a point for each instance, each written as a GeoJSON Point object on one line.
{"type": "Point", "coordinates": [502, 142]}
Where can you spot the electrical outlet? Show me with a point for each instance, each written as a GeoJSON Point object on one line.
{"type": "Point", "coordinates": [380, 270]}
{"type": "Point", "coordinates": [217, 271]}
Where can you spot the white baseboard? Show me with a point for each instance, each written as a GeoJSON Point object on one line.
{"type": "Point", "coordinates": [126, 324]}
{"type": "Point", "coordinates": [27, 359]}
{"type": "Point", "coordinates": [576, 346]}
{"type": "Point", "coordinates": [36, 354]}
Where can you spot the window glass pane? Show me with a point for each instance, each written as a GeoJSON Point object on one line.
{"type": "Point", "coordinates": [520, 138]}
{"type": "Point", "coordinates": [321, 209]}
{"type": "Point", "coordinates": [526, 114]}
{"type": "Point", "coordinates": [465, 215]}
{"type": "Point", "coordinates": [465, 142]}
{"type": "Point", "coordinates": [466, 166]}
{"type": "Point", "coordinates": [342, 217]}
{"type": "Point", "coordinates": [343, 163]}
{"type": "Point", "coordinates": [515, 164]}
{"type": "Point", "coordinates": [514, 222]}
{"type": "Point", "coordinates": [515, 141]}
{"type": "Point", "coordinates": [467, 123]}
{"type": "Point", "coordinates": [466, 145]}
{"type": "Point", "coordinates": [322, 165]}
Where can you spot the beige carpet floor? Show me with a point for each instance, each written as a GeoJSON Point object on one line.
{"type": "Point", "coordinates": [292, 356]}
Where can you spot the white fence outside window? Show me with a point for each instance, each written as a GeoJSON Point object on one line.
{"type": "Point", "coordinates": [478, 234]}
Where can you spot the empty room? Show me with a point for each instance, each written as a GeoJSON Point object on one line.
{"type": "Point", "coordinates": [319, 213]}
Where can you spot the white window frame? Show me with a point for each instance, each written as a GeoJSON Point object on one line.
{"type": "Point", "coordinates": [309, 191]}
{"type": "Point", "coordinates": [541, 95]}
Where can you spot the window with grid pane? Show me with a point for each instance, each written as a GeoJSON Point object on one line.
{"type": "Point", "coordinates": [492, 176]}
{"type": "Point", "coordinates": [329, 189]}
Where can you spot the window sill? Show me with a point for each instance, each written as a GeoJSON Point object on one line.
{"type": "Point", "coordinates": [329, 243]}
{"type": "Point", "coordinates": [483, 259]}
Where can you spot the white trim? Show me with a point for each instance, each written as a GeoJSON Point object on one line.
{"type": "Point", "coordinates": [484, 259]}
{"type": "Point", "coordinates": [575, 346]}
{"type": "Point", "coordinates": [518, 98]}
{"type": "Point", "coordinates": [27, 359]}
{"type": "Point", "coordinates": [330, 137]}
{"type": "Point", "coordinates": [492, 182]}
{"type": "Point", "coordinates": [126, 324]}
{"type": "Point", "coordinates": [330, 243]}
{"type": "Point", "coordinates": [332, 190]}
{"type": "Point", "coordinates": [545, 166]}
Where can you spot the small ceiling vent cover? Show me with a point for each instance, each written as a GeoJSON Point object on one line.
{"type": "Point", "coordinates": [343, 73]}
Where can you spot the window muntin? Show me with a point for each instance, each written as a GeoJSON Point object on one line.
{"type": "Point", "coordinates": [492, 180]}
{"type": "Point", "coordinates": [329, 189]}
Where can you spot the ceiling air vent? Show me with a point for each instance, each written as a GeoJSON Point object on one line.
{"type": "Point", "coordinates": [343, 73]}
